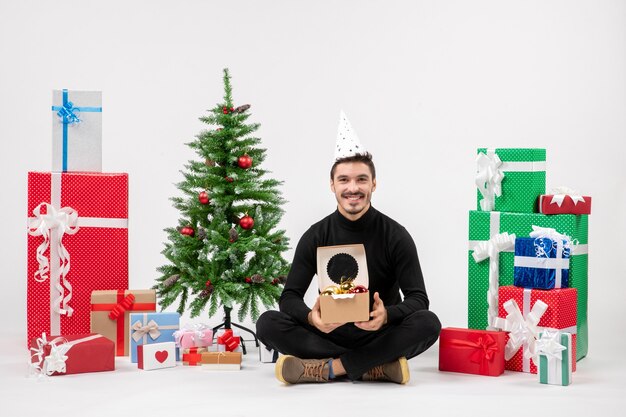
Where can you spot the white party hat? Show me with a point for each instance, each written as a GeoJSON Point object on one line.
{"type": "Point", "coordinates": [348, 143]}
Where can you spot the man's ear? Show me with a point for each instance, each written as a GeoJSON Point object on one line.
{"type": "Point", "coordinates": [374, 185]}
{"type": "Point", "coordinates": [332, 185]}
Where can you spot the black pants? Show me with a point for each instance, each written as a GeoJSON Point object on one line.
{"type": "Point", "coordinates": [359, 350]}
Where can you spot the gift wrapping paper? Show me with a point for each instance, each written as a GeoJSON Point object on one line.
{"type": "Point", "coordinates": [541, 263]}
{"type": "Point", "coordinates": [559, 315]}
{"type": "Point", "coordinates": [76, 131]}
{"type": "Point", "coordinates": [194, 336]}
{"type": "Point", "coordinates": [82, 217]}
{"type": "Point", "coordinates": [564, 204]}
{"type": "Point", "coordinates": [110, 310]}
{"type": "Point", "coordinates": [149, 328]}
{"type": "Point", "coordinates": [156, 356]}
{"type": "Point", "coordinates": [72, 354]}
{"type": "Point", "coordinates": [479, 352]}
{"type": "Point", "coordinates": [518, 175]}
{"type": "Point", "coordinates": [485, 225]}
{"type": "Point", "coordinates": [555, 364]}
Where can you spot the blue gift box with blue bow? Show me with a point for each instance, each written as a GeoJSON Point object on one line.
{"type": "Point", "coordinates": [148, 328]}
{"type": "Point", "coordinates": [541, 263]}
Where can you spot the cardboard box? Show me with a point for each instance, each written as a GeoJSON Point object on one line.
{"type": "Point", "coordinates": [156, 356]}
{"type": "Point", "coordinates": [75, 354]}
{"type": "Point", "coordinates": [468, 351]}
{"type": "Point", "coordinates": [64, 270]}
{"type": "Point", "coordinates": [110, 310]}
{"type": "Point", "coordinates": [76, 131]}
{"type": "Point", "coordinates": [225, 361]}
{"type": "Point", "coordinates": [485, 225]}
{"type": "Point", "coordinates": [333, 264]}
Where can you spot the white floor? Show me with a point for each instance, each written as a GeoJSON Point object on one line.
{"type": "Point", "coordinates": [598, 389]}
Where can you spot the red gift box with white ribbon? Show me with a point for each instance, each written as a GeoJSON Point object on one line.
{"type": "Point", "coordinates": [77, 217]}
{"type": "Point", "coordinates": [74, 354]}
{"type": "Point", "coordinates": [525, 312]}
{"type": "Point", "coordinates": [563, 200]}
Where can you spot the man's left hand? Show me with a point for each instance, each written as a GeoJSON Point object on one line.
{"type": "Point", "coordinates": [378, 316]}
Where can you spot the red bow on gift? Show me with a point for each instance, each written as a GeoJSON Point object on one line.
{"type": "Point", "coordinates": [229, 341]}
{"type": "Point", "coordinates": [193, 357]}
{"type": "Point", "coordinates": [483, 350]}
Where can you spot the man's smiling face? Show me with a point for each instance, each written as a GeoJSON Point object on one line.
{"type": "Point", "coordinates": [353, 186]}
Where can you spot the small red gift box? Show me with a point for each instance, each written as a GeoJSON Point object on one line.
{"type": "Point", "coordinates": [228, 342]}
{"type": "Point", "coordinates": [82, 216]}
{"type": "Point", "coordinates": [564, 204]}
{"type": "Point", "coordinates": [74, 354]}
{"type": "Point", "coordinates": [518, 310]}
{"type": "Point", "coordinates": [193, 356]}
{"type": "Point", "coordinates": [470, 351]}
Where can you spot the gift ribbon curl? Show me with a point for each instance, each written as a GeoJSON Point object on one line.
{"type": "Point", "coordinates": [67, 114]}
{"type": "Point", "coordinates": [491, 249]}
{"type": "Point", "coordinates": [52, 226]}
{"type": "Point", "coordinates": [488, 178]}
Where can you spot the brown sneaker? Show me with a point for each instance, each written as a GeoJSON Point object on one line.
{"type": "Point", "coordinates": [396, 371]}
{"type": "Point", "coordinates": [292, 370]}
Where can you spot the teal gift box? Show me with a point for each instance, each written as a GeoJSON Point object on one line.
{"type": "Point", "coordinates": [554, 352]}
{"type": "Point", "coordinates": [510, 179]}
{"type": "Point", "coordinates": [484, 226]}
{"type": "Point", "coordinates": [148, 328]}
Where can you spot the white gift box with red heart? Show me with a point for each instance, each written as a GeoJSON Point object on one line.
{"type": "Point", "coordinates": [156, 356]}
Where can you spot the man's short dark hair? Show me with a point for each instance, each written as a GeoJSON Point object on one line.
{"type": "Point", "coordinates": [365, 158]}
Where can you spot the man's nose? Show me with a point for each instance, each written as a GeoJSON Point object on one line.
{"type": "Point", "coordinates": [353, 186]}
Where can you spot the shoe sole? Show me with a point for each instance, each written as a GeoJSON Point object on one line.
{"type": "Point", "coordinates": [404, 366]}
{"type": "Point", "coordinates": [279, 368]}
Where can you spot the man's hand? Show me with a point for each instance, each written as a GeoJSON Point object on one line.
{"type": "Point", "coordinates": [315, 319]}
{"type": "Point", "coordinates": [378, 315]}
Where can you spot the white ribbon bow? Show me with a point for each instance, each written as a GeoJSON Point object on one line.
{"type": "Point", "coordinates": [523, 330]}
{"type": "Point", "coordinates": [559, 194]}
{"type": "Point", "coordinates": [55, 361]}
{"type": "Point", "coordinates": [489, 178]}
{"type": "Point", "coordinates": [58, 223]}
{"type": "Point", "coordinates": [559, 241]}
{"type": "Point", "coordinates": [152, 328]}
{"type": "Point", "coordinates": [491, 249]}
{"type": "Point", "coordinates": [548, 344]}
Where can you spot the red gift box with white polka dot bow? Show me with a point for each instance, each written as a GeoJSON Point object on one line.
{"type": "Point", "coordinates": [560, 313]}
{"type": "Point", "coordinates": [77, 243]}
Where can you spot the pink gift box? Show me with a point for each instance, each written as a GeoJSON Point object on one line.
{"type": "Point", "coordinates": [189, 337]}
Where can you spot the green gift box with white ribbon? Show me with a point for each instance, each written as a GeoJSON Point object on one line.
{"type": "Point", "coordinates": [492, 241]}
{"type": "Point", "coordinates": [510, 180]}
{"type": "Point", "coordinates": [554, 352]}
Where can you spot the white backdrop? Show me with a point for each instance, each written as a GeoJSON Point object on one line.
{"type": "Point", "coordinates": [424, 84]}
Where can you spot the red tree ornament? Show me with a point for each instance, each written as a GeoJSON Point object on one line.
{"type": "Point", "coordinates": [246, 222]}
{"type": "Point", "coordinates": [244, 161]}
{"type": "Point", "coordinates": [187, 231]}
{"type": "Point", "coordinates": [248, 280]}
{"type": "Point", "coordinates": [203, 198]}
{"type": "Point", "coordinates": [229, 179]}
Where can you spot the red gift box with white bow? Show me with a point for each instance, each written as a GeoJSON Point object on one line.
{"type": "Point", "coordinates": [77, 243]}
{"type": "Point", "coordinates": [525, 312]}
{"type": "Point", "coordinates": [564, 201]}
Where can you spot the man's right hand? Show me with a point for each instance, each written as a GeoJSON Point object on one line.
{"type": "Point", "coordinates": [315, 319]}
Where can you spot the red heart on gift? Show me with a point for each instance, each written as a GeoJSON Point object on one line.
{"type": "Point", "coordinates": [161, 355]}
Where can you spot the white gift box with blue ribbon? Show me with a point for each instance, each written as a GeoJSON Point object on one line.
{"type": "Point", "coordinates": [76, 131]}
{"type": "Point", "coordinates": [149, 328]}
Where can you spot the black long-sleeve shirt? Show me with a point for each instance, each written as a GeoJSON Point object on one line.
{"type": "Point", "coordinates": [392, 263]}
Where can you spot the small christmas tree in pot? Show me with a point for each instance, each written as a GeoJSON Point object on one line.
{"type": "Point", "coordinates": [227, 249]}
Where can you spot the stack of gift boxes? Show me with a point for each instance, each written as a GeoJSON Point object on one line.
{"type": "Point", "coordinates": [527, 273]}
{"type": "Point", "coordinates": [80, 313]}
